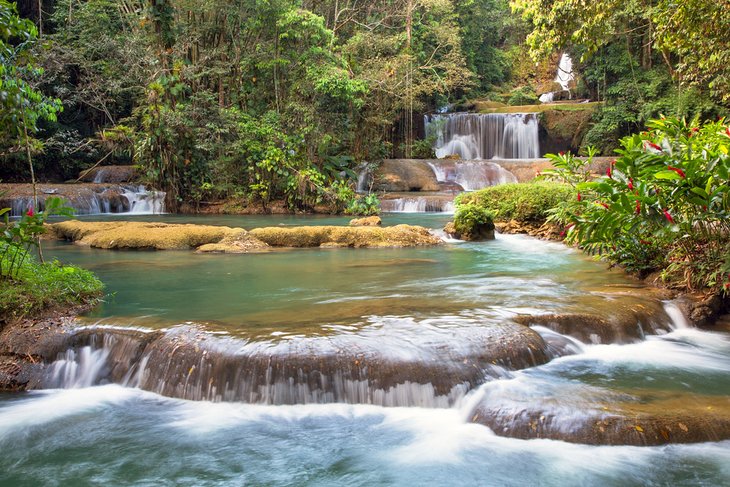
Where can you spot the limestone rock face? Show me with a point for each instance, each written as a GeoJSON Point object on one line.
{"type": "Point", "coordinates": [402, 175]}
{"type": "Point", "coordinates": [109, 174]}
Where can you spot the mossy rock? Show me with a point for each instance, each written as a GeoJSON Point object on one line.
{"type": "Point", "coordinates": [328, 236]}
{"type": "Point", "coordinates": [159, 236]}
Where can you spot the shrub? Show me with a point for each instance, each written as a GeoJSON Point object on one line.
{"type": "Point", "coordinates": [37, 287]}
{"type": "Point", "coordinates": [523, 95]}
{"type": "Point", "coordinates": [524, 202]}
{"type": "Point", "coordinates": [664, 203]}
{"type": "Point", "coordinates": [473, 222]}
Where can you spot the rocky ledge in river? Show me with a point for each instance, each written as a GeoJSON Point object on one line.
{"type": "Point", "coordinates": [632, 419]}
{"type": "Point", "coordinates": [206, 238]}
{"type": "Point", "coordinates": [186, 362]}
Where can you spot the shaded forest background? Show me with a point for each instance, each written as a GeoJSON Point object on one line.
{"type": "Point", "coordinates": [283, 99]}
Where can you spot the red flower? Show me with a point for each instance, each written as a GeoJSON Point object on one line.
{"type": "Point", "coordinates": [652, 145]}
{"type": "Point", "coordinates": [561, 153]}
{"type": "Point", "coordinates": [677, 170]}
{"type": "Point", "coordinates": [608, 172]}
{"type": "Point", "coordinates": [579, 197]}
{"type": "Point", "coordinates": [638, 207]}
{"type": "Point", "coordinates": [668, 216]}
{"type": "Point", "coordinates": [30, 212]}
{"type": "Point", "coordinates": [631, 183]}
{"type": "Point", "coordinates": [727, 131]}
{"type": "Point", "coordinates": [604, 205]}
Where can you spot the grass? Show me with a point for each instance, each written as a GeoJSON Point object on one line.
{"type": "Point", "coordinates": [40, 287]}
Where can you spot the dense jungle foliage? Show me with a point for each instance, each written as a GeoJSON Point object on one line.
{"type": "Point", "coordinates": [265, 100]}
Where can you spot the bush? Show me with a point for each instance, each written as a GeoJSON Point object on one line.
{"type": "Point", "coordinates": [523, 95]}
{"type": "Point", "coordinates": [524, 202]}
{"type": "Point", "coordinates": [473, 222]}
{"type": "Point", "coordinates": [38, 287]}
{"type": "Point", "coordinates": [664, 204]}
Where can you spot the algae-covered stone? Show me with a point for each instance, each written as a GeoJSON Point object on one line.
{"type": "Point", "coordinates": [368, 221]}
{"type": "Point", "coordinates": [160, 236]}
{"type": "Point", "coordinates": [316, 236]}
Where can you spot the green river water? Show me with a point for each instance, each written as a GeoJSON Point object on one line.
{"type": "Point", "coordinates": [403, 301]}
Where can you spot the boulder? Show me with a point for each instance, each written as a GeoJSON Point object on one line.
{"type": "Point", "coordinates": [368, 221]}
{"type": "Point", "coordinates": [329, 236]}
{"type": "Point", "coordinates": [159, 236]}
{"type": "Point", "coordinates": [647, 421]}
{"type": "Point", "coordinates": [402, 175]}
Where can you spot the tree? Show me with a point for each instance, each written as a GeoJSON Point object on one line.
{"type": "Point", "coordinates": [22, 105]}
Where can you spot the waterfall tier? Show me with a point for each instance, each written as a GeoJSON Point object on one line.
{"type": "Point", "coordinates": [485, 136]}
{"type": "Point", "coordinates": [86, 199]}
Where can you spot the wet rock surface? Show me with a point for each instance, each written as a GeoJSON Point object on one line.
{"type": "Point", "coordinates": [625, 323]}
{"type": "Point", "coordinates": [188, 363]}
{"type": "Point", "coordinates": [398, 175]}
{"type": "Point", "coordinates": [689, 419]}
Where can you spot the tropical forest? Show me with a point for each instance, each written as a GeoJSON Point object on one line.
{"type": "Point", "coordinates": [349, 242]}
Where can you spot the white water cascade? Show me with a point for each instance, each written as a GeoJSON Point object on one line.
{"type": "Point", "coordinates": [132, 199]}
{"type": "Point", "coordinates": [485, 136]}
{"type": "Point", "coordinates": [471, 175]}
{"type": "Point", "coordinates": [563, 77]}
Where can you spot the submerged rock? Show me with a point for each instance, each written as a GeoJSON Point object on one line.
{"type": "Point", "coordinates": [332, 236]}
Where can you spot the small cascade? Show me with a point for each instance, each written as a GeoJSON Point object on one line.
{"type": "Point", "coordinates": [471, 175]}
{"type": "Point", "coordinates": [417, 204]}
{"type": "Point", "coordinates": [563, 77]}
{"type": "Point", "coordinates": [144, 202]}
{"type": "Point", "coordinates": [83, 368]}
{"type": "Point", "coordinates": [485, 136]}
{"type": "Point", "coordinates": [94, 199]}
{"type": "Point", "coordinates": [677, 318]}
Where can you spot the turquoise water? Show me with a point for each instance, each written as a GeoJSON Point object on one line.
{"type": "Point", "coordinates": [114, 435]}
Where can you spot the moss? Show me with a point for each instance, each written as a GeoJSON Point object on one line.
{"type": "Point", "coordinates": [37, 288]}
{"type": "Point", "coordinates": [524, 202]}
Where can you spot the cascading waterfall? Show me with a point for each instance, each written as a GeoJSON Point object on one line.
{"type": "Point", "coordinates": [105, 199]}
{"type": "Point", "coordinates": [563, 77]}
{"type": "Point", "coordinates": [485, 136]}
{"type": "Point", "coordinates": [471, 175]}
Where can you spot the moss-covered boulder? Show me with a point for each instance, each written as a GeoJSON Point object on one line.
{"type": "Point", "coordinates": [368, 221]}
{"type": "Point", "coordinates": [159, 236]}
{"type": "Point", "coordinates": [333, 236]}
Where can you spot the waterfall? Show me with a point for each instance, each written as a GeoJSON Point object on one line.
{"type": "Point", "coordinates": [471, 175]}
{"type": "Point", "coordinates": [417, 204]}
{"type": "Point", "coordinates": [563, 77]}
{"type": "Point", "coordinates": [95, 199]}
{"type": "Point", "coordinates": [144, 202]}
{"type": "Point", "coordinates": [565, 72]}
{"type": "Point", "coordinates": [485, 136]}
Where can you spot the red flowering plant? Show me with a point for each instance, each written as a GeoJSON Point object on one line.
{"type": "Point", "coordinates": [664, 204]}
{"type": "Point", "coordinates": [19, 236]}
